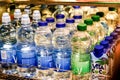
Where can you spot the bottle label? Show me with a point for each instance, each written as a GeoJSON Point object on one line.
{"type": "Point", "coordinates": [63, 64]}
{"type": "Point", "coordinates": [100, 69]}
{"type": "Point", "coordinates": [8, 55]}
{"type": "Point", "coordinates": [45, 62]}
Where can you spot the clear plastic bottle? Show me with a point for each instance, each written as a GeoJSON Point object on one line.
{"type": "Point", "coordinates": [60, 10]}
{"type": "Point", "coordinates": [43, 41]}
{"type": "Point", "coordinates": [92, 11]}
{"type": "Point", "coordinates": [101, 32]}
{"type": "Point", "coordinates": [80, 62]}
{"type": "Point", "coordinates": [70, 26]}
{"type": "Point", "coordinates": [78, 19]}
{"type": "Point", "coordinates": [62, 52]}
{"type": "Point", "coordinates": [91, 29]}
{"type": "Point", "coordinates": [17, 18]}
{"type": "Point", "coordinates": [85, 11]}
{"type": "Point", "coordinates": [26, 50]}
{"type": "Point", "coordinates": [51, 23]}
{"type": "Point", "coordinates": [111, 18]}
{"type": "Point", "coordinates": [8, 45]}
{"type": "Point", "coordinates": [103, 22]}
{"type": "Point", "coordinates": [76, 11]}
{"type": "Point", "coordinates": [60, 18]}
{"type": "Point", "coordinates": [35, 19]}
{"type": "Point", "coordinates": [99, 64]}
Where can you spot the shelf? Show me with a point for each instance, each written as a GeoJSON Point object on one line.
{"type": "Point", "coordinates": [114, 3]}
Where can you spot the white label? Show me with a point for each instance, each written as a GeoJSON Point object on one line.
{"type": "Point", "coordinates": [3, 54]}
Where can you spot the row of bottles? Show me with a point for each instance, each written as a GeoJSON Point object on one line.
{"type": "Point", "coordinates": [51, 49]}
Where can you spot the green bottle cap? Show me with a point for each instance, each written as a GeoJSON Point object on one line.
{"type": "Point", "coordinates": [81, 27]}
{"type": "Point", "coordinates": [88, 21]}
{"type": "Point", "coordinates": [101, 14]}
{"type": "Point", "coordinates": [96, 18]}
{"type": "Point", "coordinates": [112, 9]}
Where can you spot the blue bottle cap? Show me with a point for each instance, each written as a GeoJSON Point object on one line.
{"type": "Point", "coordinates": [104, 43]}
{"type": "Point", "coordinates": [109, 38]}
{"type": "Point", "coordinates": [70, 20]}
{"type": "Point", "coordinates": [77, 17]}
{"type": "Point", "coordinates": [114, 35]}
{"type": "Point", "coordinates": [60, 25]}
{"type": "Point", "coordinates": [50, 20]}
{"type": "Point", "coordinates": [76, 7]}
{"type": "Point", "coordinates": [98, 50]}
{"type": "Point", "coordinates": [42, 23]}
{"type": "Point", "coordinates": [117, 30]}
{"type": "Point", "coordinates": [60, 16]}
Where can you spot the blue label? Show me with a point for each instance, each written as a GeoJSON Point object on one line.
{"type": "Point", "coordinates": [27, 62]}
{"type": "Point", "coordinates": [8, 56]}
{"type": "Point", "coordinates": [45, 62]}
{"type": "Point", "coordinates": [63, 64]}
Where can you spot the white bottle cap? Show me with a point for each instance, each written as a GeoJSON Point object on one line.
{"type": "Point", "coordinates": [5, 18]}
{"type": "Point", "coordinates": [36, 14]}
{"type": "Point", "coordinates": [25, 19]}
{"type": "Point", "coordinates": [60, 6]}
{"type": "Point", "coordinates": [17, 13]}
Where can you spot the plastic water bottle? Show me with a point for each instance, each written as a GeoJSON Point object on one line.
{"type": "Point", "coordinates": [80, 62]}
{"type": "Point", "coordinates": [70, 26]}
{"type": "Point", "coordinates": [60, 18]}
{"type": "Point", "coordinates": [111, 18]}
{"type": "Point", "coordinates": [17, 18]}
{"type": "Point", "coordinates": [101, 33]}
{"type": "Point", "coordinates": [91, 29]}
{"type": "Point", "coordinates": [43, 42]}
{"type": "Point", "coordinates": [76, 11]}
{"type": "Point", "coordinates": [85, 11]}
{"type": "Point", "coordinates": [51, 23]}
{"type": "Point", "coordinates": [62, 52]}
{"type": "Point", "coordinates": [36, 18]}
{"type": "Point", "coordinates": [78, 19]}
{"type": "Point", "coordinates": [99, 63]}
{"type": "Point", "coordinates": [60, 10]}
{"type": "Point", "coordinates": [103, 22]}
{"type": "Point", "coordinates": [26, 50]}
{"type": "Point", "coordinates": [8, 45]}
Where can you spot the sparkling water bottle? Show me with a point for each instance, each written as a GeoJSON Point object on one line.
{"type": "Point", "coordinates": [36, 18]}
{"type": "Point", "coordinates": [43, 42]}
{"type": "Point", "coordinates": [101, 32]}
{"type": "Point", "coordinates": [8, 46]}
{"type": "Point", "coordinates": [51, 23]}
{"type": "Point", "coordinates": [60, 18]}
{"type": "Point", "coordinates": [80, 62]}
{"type": "Point", "coordinates": [91, 29]}
{"type": "Point", "coordinates": [26, 50]}
{"type": "Point", "coordinates": [62, 52]}
{"type": "Point", "coordinates": [76, 11]}
{"type": "Point", "coordinates": [70, 26]}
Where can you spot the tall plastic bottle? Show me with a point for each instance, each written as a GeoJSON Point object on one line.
{"type": "Point", "coordinates": [60, 18]}
{"type": "Point", "coordinates": [99, 63]}
{"type": "Point", "coordinates": [60, 10]}
{"type": "Point", "coordinates": [35, 19]}
{"type": "Point", "coordinates": [76, 11]}
{"type": "Point", "coordinates": [70, 26]}
{"type": "Point", "coordinates": [51, 23]}
{"type": "Point", "coordinates": [62, 52]}
{"type": "Point", "coordinates": [111, 18]}
{"type": "Point", "coordinates": [80, 62]}
{"type": "Point", "coordinates": [101, 32]}
{"type": "Point", "coordinates": [91, 29]}
{"type": "Point", "coordinates": [17, 18]}
{"type": "Point", "coordinates": [8, 45]}
{"type": "Point", "coordinates": [78, 19]}
{"type": "Point", "coordinates": [43, 42]}
{"type": "Point", "coordinates": [26, 50]}
{"type": "Point", "coordinates": [103, 21]}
